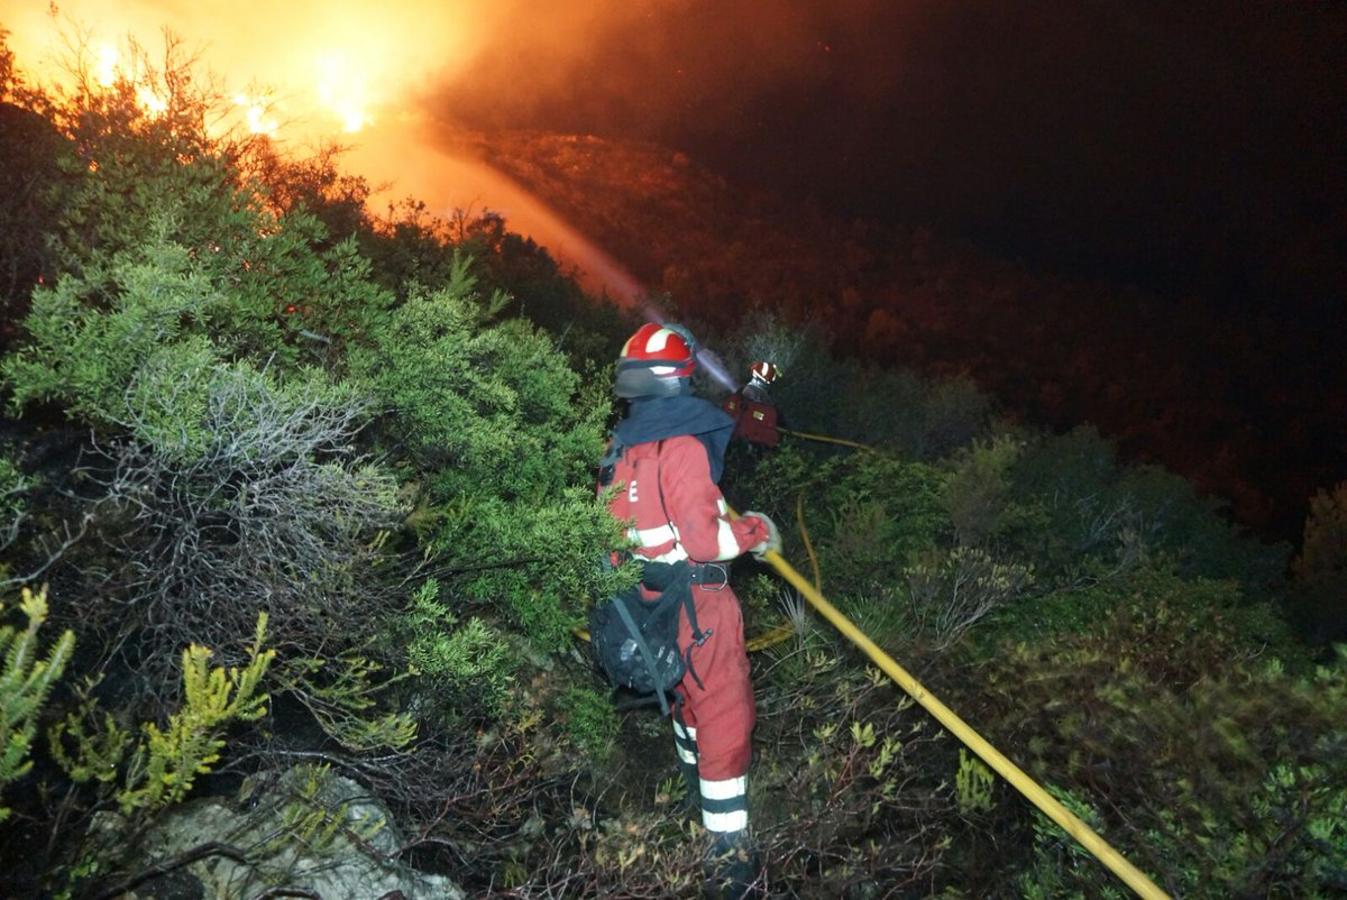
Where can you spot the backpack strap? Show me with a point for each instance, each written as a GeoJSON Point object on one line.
{"type": "Point", "coordinates": [644, 649]}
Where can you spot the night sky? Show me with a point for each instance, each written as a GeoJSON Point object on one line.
{"type": "Point", "coordinates": [1187, 148]}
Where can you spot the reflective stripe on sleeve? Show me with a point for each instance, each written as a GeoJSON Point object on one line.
{"type": "Point", "coordinates": [727, 545]}
{"type": "Point", "coordinates": [653, 537]}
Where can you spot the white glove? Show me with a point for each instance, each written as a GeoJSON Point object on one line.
{"type": "Point", "coordinates": [773, 541]}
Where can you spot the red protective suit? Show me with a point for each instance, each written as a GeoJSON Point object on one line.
{"type": "Point", "coordinates": [676, 512]}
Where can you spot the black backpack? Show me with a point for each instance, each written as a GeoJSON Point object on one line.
{"type": "Point", "coordinates": [635, 641]}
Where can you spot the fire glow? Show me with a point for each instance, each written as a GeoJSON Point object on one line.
{"type": "Point", "coordinates": [340, 93]}
{"type": "Point", "coordinates": [315, 73]}
{"type": "Point", "coordinates": [312, 70]}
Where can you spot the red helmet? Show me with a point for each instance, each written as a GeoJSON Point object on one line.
{"type": "Point", "coordinates": [764, 372]}
{"type": "Point", "coordinates": [656, 361]}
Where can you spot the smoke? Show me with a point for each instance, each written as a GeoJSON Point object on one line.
{"type": "Point", "coordinates": [1185, 147]}
{"type": "Point", "coordinates": [1189, 146]}
{"type": "Point", "coordinates": [667, 68]}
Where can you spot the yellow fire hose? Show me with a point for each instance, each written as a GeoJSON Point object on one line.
{"type": "Point", "coordinates": [1083, 834]}
{"type": "Point", "coordinates": [786, 630]}
{"type": "Point", "coordinates": [827, 439]}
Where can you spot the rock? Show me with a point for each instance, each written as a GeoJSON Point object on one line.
{"type": "Point", "coordinates": [302, 829]}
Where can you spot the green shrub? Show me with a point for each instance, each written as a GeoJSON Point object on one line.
{"type": "Point", "coordinates": [232, 490]}
{"type": "Point", "coordinates": [162, 767]}
{"type": "Point", "coordinates": [949, 593]}
{"type": "Point", "coordinates": [25, 683]}
{"type": "Point", "coordinates": [870, 516]}
{"type": "Point", "coordinates": [978, 492]}
{"type": "Point", "coordinates": [469, 667]}
{"type": "Point", "coordinates": [1060, 867]}
{"type": "Point", "coordinates": [973, 784]}
{"type": "Point", "coordinates": [1165, 711]}
{"type": "Point", "coordinates": [90, 336]}
{"type": "Point", "coordinates": [590, 721]}
{"type": "Point", "coordinates": [491, 407]}
{"type": "Point", "coordinates": [507, 436]}
{"type": "Point", "coordinates": [1320, 571]}
{"type": "Point", "coordinates": [1083, 517]}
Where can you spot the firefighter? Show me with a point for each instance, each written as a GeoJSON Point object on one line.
{"type": "Point", "coordinates": [665, 460]}
{"type": "Point", "coordinates": [755, 416]}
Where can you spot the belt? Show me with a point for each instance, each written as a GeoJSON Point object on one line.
{"type": "Point", "coordinates": [710, 575]}
{"type": "Point", "coordinates": [657, 576]}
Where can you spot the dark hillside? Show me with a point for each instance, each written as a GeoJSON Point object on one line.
{"type": "Point", "coordinates": [1248, 406]}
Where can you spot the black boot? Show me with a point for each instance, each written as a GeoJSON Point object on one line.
{"type": "Point", "coordinates": [734, 871]}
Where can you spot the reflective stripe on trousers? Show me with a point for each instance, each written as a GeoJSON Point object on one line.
{"type": "Point", "coordinates": [725, 804]}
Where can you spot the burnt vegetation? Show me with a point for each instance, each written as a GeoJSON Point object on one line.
{"type": "Point", "coordinates": [313, 503]}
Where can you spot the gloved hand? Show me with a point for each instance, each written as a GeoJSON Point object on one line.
{"type": "Point", "coordinates": [773, 541]}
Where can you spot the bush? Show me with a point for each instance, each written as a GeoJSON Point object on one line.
{"type": "Point", "coordinates": [243, 493]}
{"type": "Point", "coordinates": [1084, 517]}
{"type": "Point", "coordinates": [1320, 571]}
{"type": "Point", "coordinates": [868, 514]}
{"type": "Point", "coordinates": [978, 492]}
{"type": "Point", "coordinates": [91, 336]}
{"type": "Point", "coordinates": [163, 765]}
{"type": "Point", "coordinates": [506, 436]}
{"type": "Point", "coordinates": [590, 721]}
{"type": "Point", "coordinates": [1165, 712]}
{"type": "Point", "coordinates": [466, 668]}
{"type": "Point", "coordinates": [950, 593]}
{"type": "Point", "coordinates": [25, 683]}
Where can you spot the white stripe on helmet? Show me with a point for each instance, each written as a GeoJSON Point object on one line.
{"type": "Point", "coordinates": [658, 340]}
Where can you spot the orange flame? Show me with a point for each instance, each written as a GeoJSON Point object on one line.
{"type": "Point", "coordinates": [314, 72]}
{"type": "Point", "coordinates": [105, 69]}
{"type": "Point", "coordinates": [343, 91]}
{"type": "Point", "coordinates": [257, 114]}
